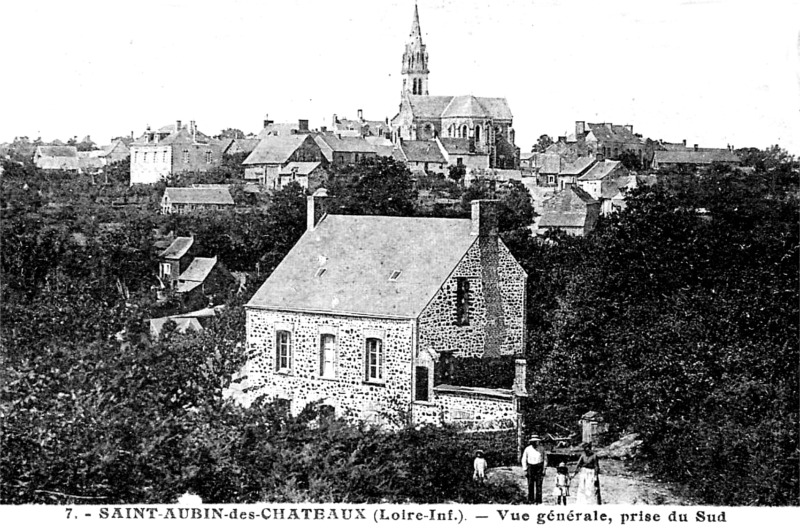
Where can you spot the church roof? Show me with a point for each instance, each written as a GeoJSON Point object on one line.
{"type": "Point", "coordinates": [439, 106]}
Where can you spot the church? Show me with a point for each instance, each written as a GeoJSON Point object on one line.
{"type": "Point", "coordinates": [481, 127]}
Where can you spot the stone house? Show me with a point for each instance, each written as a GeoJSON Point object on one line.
{"type": "Point", "coordinates": [364, 309]}
{"type": "Point", "coordinates": [609, 139]}
{"type": "Point", "coordinates": [601, 173]}
{"type": "Point", "coordinates": [462, 151]}
{"type": "Point", "coordinates": [547, 166]}
{"type": "Point", "coordinates": [360, 127]}
{"type": "Point", "coordinates": [57, 158]}
{"type": "Point", "coordinates": [693, 158]}
{"type": "Point", "coordinates": [273, 153]}
{"type": "Point", "coordinates": [182, 200]}
{"type": "Point", "coordinates": [571, 210]}
{"type": "Point", "coordinates": [175, 259]}
{"type": "Point", "coordinates": [172, 149]}
{"type": "Point", "coordinates": [570, 172]}
{"type": "Point", "coordinates": [118, 150]}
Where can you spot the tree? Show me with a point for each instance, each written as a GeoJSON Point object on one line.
{"type": "Point", "coordinates": [231, 133]}
{"type": "Point", "coordinates": [457, 172]}
{"type": "Point", "coordinates": [542, 143]}
{"type": "Point", "coordinates": [630, 160]}
{"type": "Point", "coordinates": [379, 186]}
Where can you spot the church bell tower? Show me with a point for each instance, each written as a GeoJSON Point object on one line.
{"type": "Point", "coordinates": [415, 61]}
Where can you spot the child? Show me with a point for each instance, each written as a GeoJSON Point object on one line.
{"type": "Point", "coordinates": [479, 475]}
{"type": "Point", "coordinates": [562, 484]}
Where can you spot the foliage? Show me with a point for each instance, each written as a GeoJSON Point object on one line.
{"type": "Point", "coordinates": [515, 210]}
{"type": "Point", "coordinates": [497, 373]}
{"type": "Point", "coordinates": [379, 186]}
{"type": "Point", "coordinates": [542, 143]}
{"type": "Point", "coordinates": [630, 160]}
{"type": "Point", "coordinates": [457, 172]}
{"type": "Point", "coordinates": [681, 326]}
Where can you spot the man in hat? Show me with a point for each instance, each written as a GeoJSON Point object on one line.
{"type": "Point", "coordinates": [533, 463]}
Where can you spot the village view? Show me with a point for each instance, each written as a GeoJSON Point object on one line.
{"type": "Point", "coordinates": [393, 309]}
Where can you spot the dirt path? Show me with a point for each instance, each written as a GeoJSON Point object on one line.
{"type": "Point", "coordinates": [618, 484]}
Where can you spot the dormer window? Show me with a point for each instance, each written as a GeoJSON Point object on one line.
{"type": "Point", "coordinates": [320, 272]}
{"type": "Point", "coordinates": [395, 274]}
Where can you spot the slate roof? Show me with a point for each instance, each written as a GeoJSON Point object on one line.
{"type": "Point", "coordinates": [304, 168]}
{"type": "Point", "coordinates": [438, 106]}
{"type": "Point", "coordinates": [548, 163]}
{"type": "Point", "coordinates": [57, 151]}
{"type": "Point", "coordinates": [182, 136]}
{"type": "Point", "coordinates": [359, 254]}
{"type": "Point", "coordinates": [696, 157]}
{"type": "Point", "coordinates": [455, 146]}
{"type": "Point", "coordinates": [421, 151]}
{"type": "Point", "coordinates": [613, 133]}
{"type": "Point", "coordinates": [600, 170]}
{"type": "Point", "coordinates": [199, 195]}
{"type": "Point", "coordinates": [195, 274]}
{"type": "Point", "coordinates": [244, 144]}
{"type": "Point", "coordinates": [578, 167]}
{"type": "Point", "coordinates": [178, 248]}
{"type": "Point", "coordinates": [273, 150]}
{"type": "Point", "coordinates": [347, 144]}
{"type": "Point", "coordinates": [183, 324]}
{"type": "Point", "coordinates": [279, 129]}
{"type": "Point", "coordinates": [567, 208]}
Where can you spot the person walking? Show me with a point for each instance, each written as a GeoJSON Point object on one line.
{"type": "Point", "coordinates": [588, 473]}
{"type": "Point", "coordinates": [533, 463]}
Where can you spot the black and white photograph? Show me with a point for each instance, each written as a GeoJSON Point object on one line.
{"type": "Point", "coordinates": [400, 261]}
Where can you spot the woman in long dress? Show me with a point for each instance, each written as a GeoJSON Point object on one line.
{"type": "Point", "coordinates": [588, 474]}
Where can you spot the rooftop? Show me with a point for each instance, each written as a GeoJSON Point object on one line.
{"type": "Point", "coordinates": [199, 195]}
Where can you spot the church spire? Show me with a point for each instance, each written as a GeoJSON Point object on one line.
{"type": "Point", "coordinates": [415, 61]}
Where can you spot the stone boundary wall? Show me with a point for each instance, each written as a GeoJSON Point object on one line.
{"type": "Point", "coordinates": [473, 411]}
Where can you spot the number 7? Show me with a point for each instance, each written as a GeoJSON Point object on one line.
{"type": "Point", "coordinates": [69, 512]}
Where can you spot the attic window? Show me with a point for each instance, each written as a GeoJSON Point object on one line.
{"type": "Point", "coordinates": [320, 272]}
{"type": "Point", "coordinates": [395, 274]}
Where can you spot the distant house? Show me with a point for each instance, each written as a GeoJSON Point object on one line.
{"type": "Point", "coordinates": [205, 281]}
{"type": "Point", "coordinates": [195, 321]}
{"type": "Point", "coordinates": [365, 313]}
{"type": "Point", "coordinates": [272, 128]}
{"type": "Point", "coordinates": [181, 200]}
{"type": "Point", "coordinates": [175, 259]}
{"type": "Point", "coordinates": [91, 160]}
{"type": "Point", "coordinates": [421, 156]}
{"type": "Point", "coordinates": [274, 152]}
{"type": "Point", "coordinates": [359, 127]}
{"type": "Point", "coordinates": [547, 167]}
{"type": "Point", "coordinates": [239, 146]}
{"type": "Point", "coordinates": [118, 150]}
{"type": "Point", "coordinates": [693, 158]}
{"type": "Point", "coordinates": [345, 150]}
{"type": "Point", "coordinates": [609, 139]}
{"type": "Point", "coordinates": [601, 172]}
{"type": "Point", "coordinates": [462, 152]}
{"type": "Point", "coordinates": [569, 173]}
{"type": "Point", "coordinates": [57, 158]}
{"type": "Point", "coordinates": [309, 175]}
{"type": "Point", "coordinates": [172, 149]}
{"type": "Point", "coordinates": [571, 210]}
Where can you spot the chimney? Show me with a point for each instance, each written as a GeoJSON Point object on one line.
{"type": "Point", "coordinates": [599, 156]}
{"type": "Point", "coordinates": [695, 147]}
{"type": "Point", "coordinates": [323, 129]}
{"type": "Point", "coordinates": [562, 139]}
{"type": "Point", "coordinates": [177, 125]}
{"type": "Point", "coordinates": [520, 377]}
{"type": "Point", "coordinates": [193, 129]}
{"type": "Point", "coordinates": [360, 114]}
{"type": "Point", "coordinates": [335, 120]}
{"type": "Point", "coordinates": [484, 217]}
{"type": "Point", "coordinates": [302, 125]}
{"type": "Point", "coordinates": [684, 142]}
{"type": "Point", "coordinates": [580, 129]}
{"type": "Point", "coordinates": [314, 209]}
{"type": "Point", "coordinates": [267, 121]}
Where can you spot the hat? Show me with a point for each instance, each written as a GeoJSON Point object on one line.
{"type": "Point", "coordinates": [562, 465]}
{"type": "Point", "coordinates": [479, 452]}
{"type": "Point", "coordinates": [534, 438]}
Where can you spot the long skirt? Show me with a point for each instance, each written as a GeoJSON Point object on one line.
{"type": "Point", "coordinates": [588, 487]}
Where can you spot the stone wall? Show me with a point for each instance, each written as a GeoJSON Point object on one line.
{"type": "Point", "coordinates": [497, 330]}
{"type": "Point", "coordinates": [346, 391]}
{"type": "Point", "coordinates": [481, 409]}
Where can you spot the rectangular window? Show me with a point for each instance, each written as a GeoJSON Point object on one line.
{"type": "Point", "coordinates": [462, 301]}
{"type": "Point", "coordinates": [374, 360]}
{"type": "Point", "coordinates": [283, 351]}
{"type": "Point", "coordinates": [145, 157]}
{"type": "Point", "coordinates": [186, 155]}
{"type": "Point", "coordinates": [164, 157]}
{"type": "Point", "coordinates": [421, 384]}
{"type": "Point", "coordinates": [208, 156]}
{"type": "Point", "coordinates": [136, 156]}
{"type": "Point", "coordinates": [327, 356]}
{"type": "Point", "coordinates": [166, 269]}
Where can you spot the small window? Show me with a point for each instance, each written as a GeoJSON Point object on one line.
{"type": "Point", "coordinates": [208, 156]}
{"type": "Point", "coordinates": [395, 274]}
{"type": "Point", "coordinates": [145, 157]}
{"type": "Point", "coordinates": [164, 157]}
{"type": "Point", "coordinates": [320, 272]}
{"type": "Point", "coordinates": [283, 351]}
{"type": "Point", "coordinates": [186, 155]}
{"type": "Point", "coordinates": [374, 360]}
{"type": "Point", "coordinates": [166, 269]}
{"type": "Point", "coordinates": [327, 356]}
{"type": "Point", "coordinates": [136, 156]}
{"type": "Point", "coordinates": [421, 392]}
{"type": "Point", "coordinates": [462, 301]}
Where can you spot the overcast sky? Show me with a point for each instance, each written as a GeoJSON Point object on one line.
{"type": "Point", "coordinates": [711, 72]}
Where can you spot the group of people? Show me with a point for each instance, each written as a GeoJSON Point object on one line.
{"type": "Point", "coordinates": [587, 472]}
{"type": "Point", "coordinates": [534, 463]}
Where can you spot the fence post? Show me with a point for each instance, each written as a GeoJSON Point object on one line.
{"type": "Point", "coordinates": [520, 393]}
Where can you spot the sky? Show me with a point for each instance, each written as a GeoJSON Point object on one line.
{"type": "Point", "coordinates": [713, 72]}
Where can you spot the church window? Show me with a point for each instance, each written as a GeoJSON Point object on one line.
{"type": "Point", "coordinates": [477, 134]}
{"type": "Point", "coordinates": [464, 131]}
